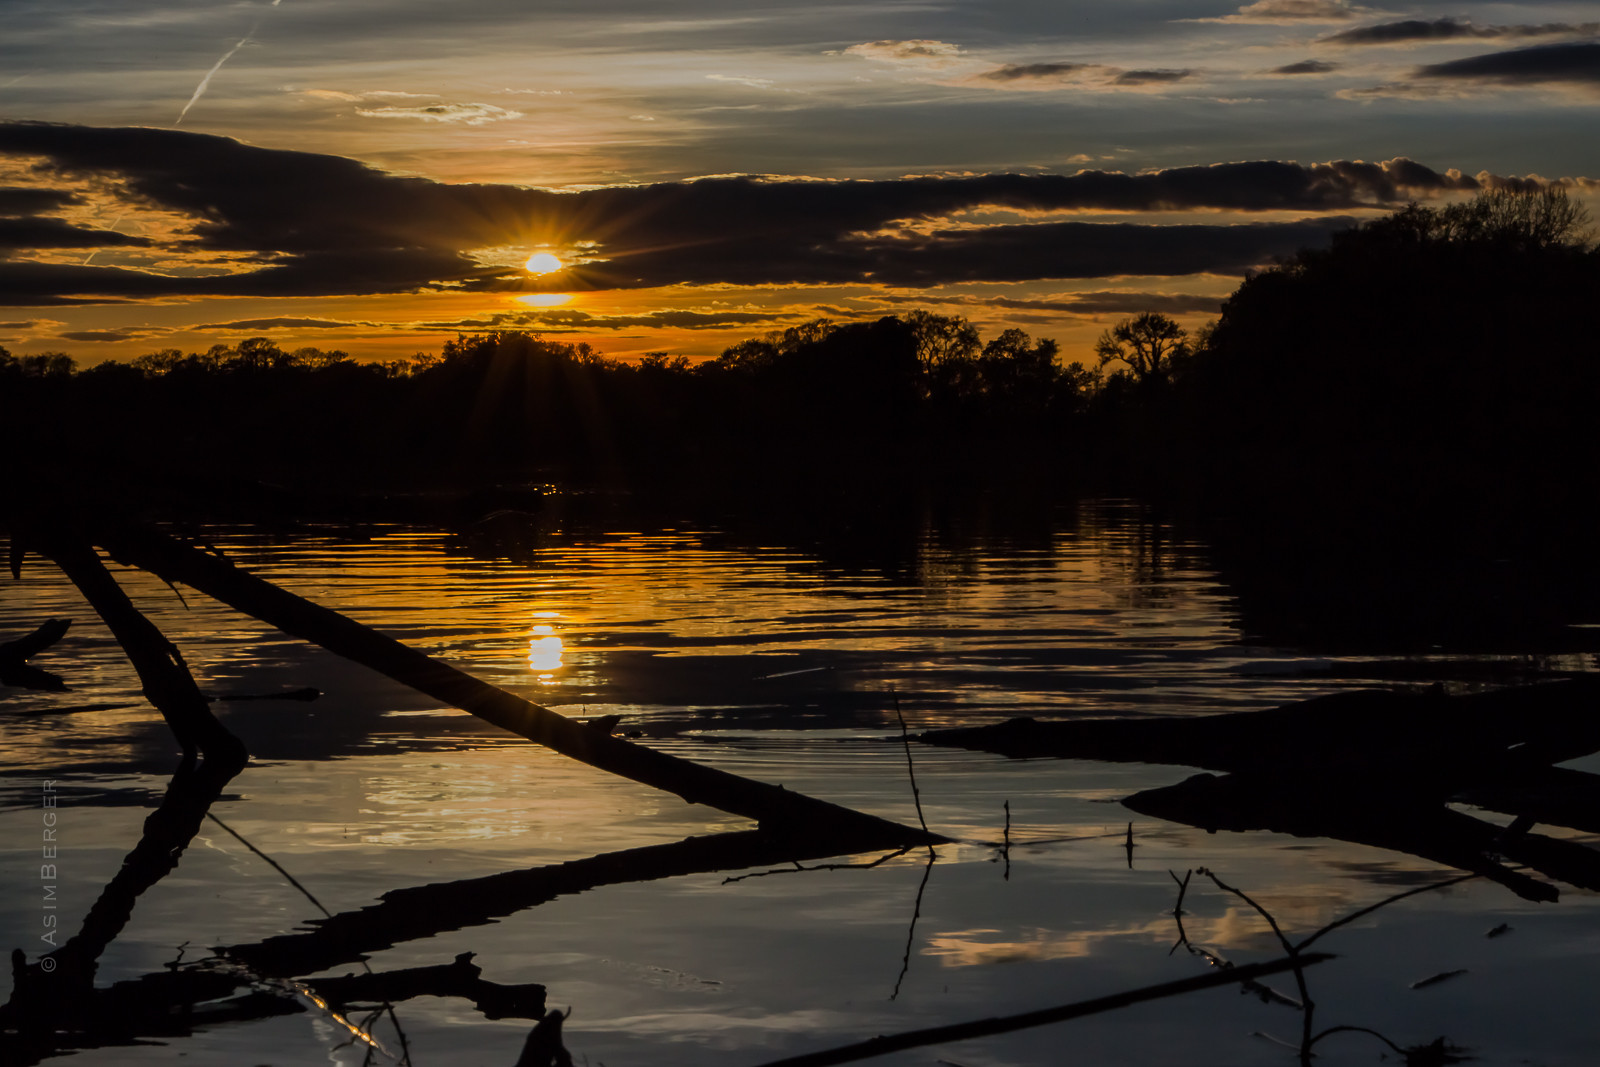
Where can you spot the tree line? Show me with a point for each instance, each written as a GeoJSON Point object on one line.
{"type": "Point", "coordinates": [1438, 352]}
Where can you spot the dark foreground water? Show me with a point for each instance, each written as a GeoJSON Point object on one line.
{"type": "Point", "coordinates": [780, 664]}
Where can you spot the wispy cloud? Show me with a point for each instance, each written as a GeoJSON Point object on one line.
{"type": "Point", "coordinates": [926, 54]}
{"type": "Point", "coordinates": [121, 333]}
{"type": "Point", "coordinates": [1291, 12]}
{"type": "Point", "coordinates": [463, 114]}
{"type": "Point", "coordinates": [739, 79]}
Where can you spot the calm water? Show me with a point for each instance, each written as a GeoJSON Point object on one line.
{"type": "Point", "coordinates": [780, 664]}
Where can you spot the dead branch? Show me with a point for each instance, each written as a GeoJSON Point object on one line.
{"type": "Point", "coordinates": [165, 677]}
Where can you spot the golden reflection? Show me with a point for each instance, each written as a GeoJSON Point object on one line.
{"type": "Point", "coordinates": [544, 652]}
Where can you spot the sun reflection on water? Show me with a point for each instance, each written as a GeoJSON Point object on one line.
{"type": "Point", "coordinates": [544, 653]}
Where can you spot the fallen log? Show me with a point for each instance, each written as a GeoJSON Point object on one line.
{"type": "Point", "coordinates": [1426, 742]}
{"type": "Point", "coordinates": [164, 675]}
{"type": "Point", "coordinates": [1240, 804]}
{"type": "Point", "coordinates": [1556, 796]}
{"type": "Point", "coordinates": [775, 808]}
{"type": "Point", "coordinates": [14, 656]}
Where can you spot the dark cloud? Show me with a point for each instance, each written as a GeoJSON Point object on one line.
{"type": "Point", "coordinates": [46, 232]}
{"type": "Point", "coordinates": [564, 320]}
{"type": "Point", "coordinates": [1445, 29]}
{"type": "Point", "coordinates": [1578, 61]}
{"type": "Point", "coordinates": [18, 200]}
{"type": "Point", "coordinates": [325, 225]}
{"type": "Point", "coordinates": [1305, 66]}
{"type": "Point", "coordinates": [279, 324]}
{"type": "Point", "coordinates": [1086, 250]}
{"type": "Point", "coordinates": [683, 320]}
{"type": "Point", "coordinates": [1118, 303]}
{"type": "Point", "coordinates": [129, 333]}
{"type": "Point", "coordinates": [1035, 71]}
{"type": "Point", "coordinates": [1102, 302]}
{"type": "Point", "coordinates": [1151, 77]}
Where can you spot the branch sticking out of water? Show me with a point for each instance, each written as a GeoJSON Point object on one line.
{"type": "Point", "coordinates": [911, 770]}
{"type": "Point", "coordinates": [14, 656]}
{"type": "Point", "coordinates": [911, 933]}
{"type": "Point", "coordinates": [162, 671]}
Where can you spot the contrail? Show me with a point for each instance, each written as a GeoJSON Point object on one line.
{"type": "Point", "coordinates": [201, 88]}
{"type": "Point", "coordinates": [113, 229]}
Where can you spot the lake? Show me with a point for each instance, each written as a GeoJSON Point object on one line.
{"type": "Point", "coordinates": [782, 659]}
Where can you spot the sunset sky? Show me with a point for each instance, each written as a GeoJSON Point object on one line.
{"type": "Point", "coordinates": [371, 175]}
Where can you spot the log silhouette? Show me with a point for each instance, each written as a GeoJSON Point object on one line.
{"type": "Point", "coordinates": [14, 655]}
{"type": "Point", "coordinates": [1432, 742]}
{"type": "Point", "coordinates": [165, 677]}
{"type": "Point", "coordinates": [775, 808]}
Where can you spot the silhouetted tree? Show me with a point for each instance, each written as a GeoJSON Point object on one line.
{"type": "Point", "coordinates": [1149, 344]}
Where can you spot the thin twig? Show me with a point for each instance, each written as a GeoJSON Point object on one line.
{"type": "Point", "coordinates": [1183, 888]}
{"type": "Point", "coordinates": [273, 864]}
{"type": "Point", "coordinates": [1353, 916]}
{"type": "Point", "coordinates": [938, 1035]}
{"type": "Point", "coordinates": [822, 866]}
{"type": "Point", "coordinates": [911, 770]}
{"type": "Point", "coordinates": [1263, 912]}
{"type": "Point", "coordinates": [1358, 1030]}
{"type": "Point", "coordinates": [1308, 1007]}
{"type": "Point", "coordinates": [1005, 849]}
{"type": "Point", "coordinates": [405, 1049]}
{"type": "Point", "coordinates": [911, 934]}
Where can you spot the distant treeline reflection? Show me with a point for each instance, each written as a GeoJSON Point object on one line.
{"type": "Point", "coordinates": [1435, 359]}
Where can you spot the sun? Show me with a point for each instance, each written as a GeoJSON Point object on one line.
{"type": "Point", "coordinates": [542, 263]}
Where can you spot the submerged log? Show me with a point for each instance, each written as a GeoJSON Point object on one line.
{"type": "Point", "coordinates": [1433, 742]}
{"type": "Point", "coordinates": [1433, 832]}
{"type": "Point", "coordinates": [772, 806]}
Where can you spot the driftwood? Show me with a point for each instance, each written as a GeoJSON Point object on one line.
{"type": "Point", "coordinates": [415, 913]}
{"type": "Point", "coordinates": [1372, 767]}
{"type": "Point", "coordinates": [1432, 832]}
{"type": "Point", "coordinates": [773, 807]}
{"type": "Point", "coordinates": [461, 978]}
{"type": "Point", "coordinates": [167, 683]}
{"type": "Point", "coordinates": [1432, 741]}
{"type": "Point", "coordinates": [14, 655]}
